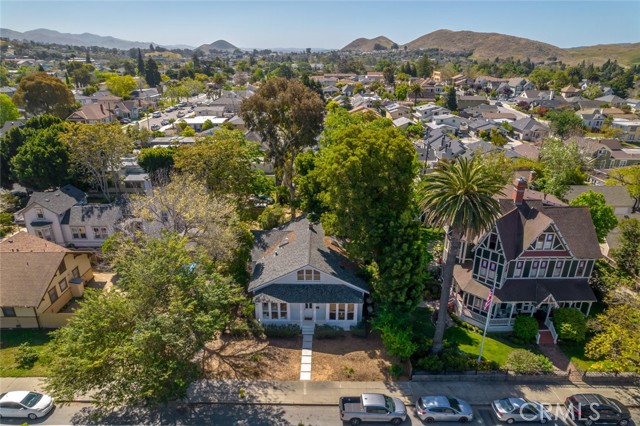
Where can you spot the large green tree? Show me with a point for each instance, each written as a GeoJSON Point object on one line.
{"type": "Point", "coordinates": [452, 101]}
{"type": "Point", "coordinates": [617, 338]}
{"type": "Point", "coordinates": [458, 196]}
{"type": "Point", "coordinates": [40, 93]}
{"type": "Point", "coordinates": [151, 73]}
{"type": "Point", "coordinates": [603, 216]}
{"type": "Point", "coordinates": [16, 137]}
{"type": "Point", "coordinates": [225, 163]}
{"type": "Point", "coordinates": [139, 345]}
{"type": "Point", "coordinates": [42, 162]}
{"type": "Point", "coordinates": [153, 160]}
{"type": "Point", "coordinates": [121, 85]}
{"type": "Point", "coordinates": [8, 110]}
{"type": "Point", "coordinates": [562, 165]}
{"type": "Point", "coordinates": [97, 150]}
{"type": "Point", "coordinates": [565, 123]}
{"type": "Point", "coordinates": [367, 175]}
{"type": "Point", "coordinates": [288, 117]}
{"type": "Point", "coordinates": [424, 67]}
{"type": "Point", "coordinates": [627, 254]}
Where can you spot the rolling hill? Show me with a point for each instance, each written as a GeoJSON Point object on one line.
{"type": "Point", "coordinates": [486, 45]}
{"type": "Point", "coordinates": [42, 35]}
{"type": "Point", "coordinates": [217, 45]}
{"type": "Point", "coordinates": [368, 45]}
{"type": "Point", "coordinates": [625, 54]}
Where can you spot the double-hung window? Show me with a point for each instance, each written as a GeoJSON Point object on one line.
{"type": "Point", "coordinates": [79, 232]}
{"type": "Point", "coordinates": [557, 271]}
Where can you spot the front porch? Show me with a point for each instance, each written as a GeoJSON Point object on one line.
{"type": "Point", "coordinates": [470, 309]}
{"type": "Point", "coordinates": [305, 315]}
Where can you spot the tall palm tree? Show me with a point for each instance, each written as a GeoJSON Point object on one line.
{"type": "Point", "coordinates": [416, 90]}
{"type": "Point", "coordinates": [458, 196]}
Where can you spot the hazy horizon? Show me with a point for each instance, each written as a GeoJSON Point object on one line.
{"type": "Point", "coordinates": [326, 24]}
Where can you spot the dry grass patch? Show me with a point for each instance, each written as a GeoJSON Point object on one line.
{"type": "Point", "coordinates": [255, 359]}
{"type": "Point", "coordinates": [352, 359]}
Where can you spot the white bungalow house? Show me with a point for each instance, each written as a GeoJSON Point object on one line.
{"type": "Point", "coordinates": [300, 276]}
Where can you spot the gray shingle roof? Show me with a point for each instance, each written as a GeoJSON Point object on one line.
{"type": "Point", "coordinates": [293, 246]}
{"type": "Point", "coordinates": [617, 196]}
{"type": "Point", "coordinates": [58, 201]}
{"type": "Point", "coordinates": [309, 293]}
{"type": "Point", "coordinates": [92, 215]}
{"type": "Point", "coordinates": [520, 226]}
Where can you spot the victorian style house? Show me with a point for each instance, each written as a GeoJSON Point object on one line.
{"type": "Point", "coordinates": [538, 257]}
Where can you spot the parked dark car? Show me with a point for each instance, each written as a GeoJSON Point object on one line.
{"type": "Point", "coordinates": [594, 409]}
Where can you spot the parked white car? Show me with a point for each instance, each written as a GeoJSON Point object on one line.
{"type": "Point", "coordinates": [32, 405]}
{"type": "Point", "coordinates": [510, 410]}
{"type": "Point", "coordinates": [443, 408]}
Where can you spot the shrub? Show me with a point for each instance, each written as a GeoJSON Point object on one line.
{"type": "Point", "coordinates": [285, 330]}
{"type": "Point", "coordinates": [6, 219]}
{"type": "Point", "coordinates": [431, 364]}
{"type": "Point", "coordinates": [327, 331]}
{"type": "Point", "coordinates": [570, 324]}
{"type": "Point", "coordinates": [348, 371]}
{"type": "Point", "coordinates": [396, 371]}
{"type": "Point", "coordinates": [525, 329]}
{"type": "Point", "coordinates": [26, 356]}
{"type": "Point", "coordinates": [522, 361]}
{"type": "Point", "coordinates": [359, 330]}
{"type": "Point", "coordinates": [272, 217]}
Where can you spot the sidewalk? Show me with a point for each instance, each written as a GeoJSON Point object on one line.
{"type": "Point", "coordinates": [327, 393]}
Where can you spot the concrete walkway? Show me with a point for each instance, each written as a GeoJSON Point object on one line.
{"type": "Point", "coordinates": [327, 393]}
{"type": "Point", "coordinates": [307, 351]}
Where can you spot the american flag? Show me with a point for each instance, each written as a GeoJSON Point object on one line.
{"type": "Point", "coordinates": [488, 302]}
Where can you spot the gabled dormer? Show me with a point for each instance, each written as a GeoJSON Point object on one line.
{"type": "Point", "coordinates": [489, 259]}
{"type": "Point", "coordinates": [549, 240]}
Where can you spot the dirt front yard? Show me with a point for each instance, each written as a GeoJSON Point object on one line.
{"type": "Point", "coordinates": [254, 359]}
{"type": "Point", "coordinates": [347, 358]}
{"type": "Point", "coordinates": [352, 358]}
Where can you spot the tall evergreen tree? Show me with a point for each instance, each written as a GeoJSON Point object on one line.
{"type": "Point", "coordinates": [452, 102]}
{"type": "Point", "coordinates": [141, 69]}
{"type": "Point", "coordinates": [151, 73]}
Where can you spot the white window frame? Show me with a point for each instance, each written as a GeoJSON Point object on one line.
{"type": "Point", "coordinates": [581, 269]}
{"type": "Point", "coordinates": [63, 287]}
{"type": "Point", "coordinates": [491, 273]}
{"type": "Point", "coordinates": [39, 212]}
{"type": "Point", "coordinates": [484, 266]}
{"type": "Point", "coordinates": [517, 272]}
{"type": "Point", "coordinates": [557, 268]}
{"type": "Point", "coordinates": [542, 272]}
{"type": "Point", "coordinates": [275, 309]}
{"type": "Point", "coordinates": [100, 232]}
{"type": "Point", "coordinates": [535, 265]}
{"type": "Point", "coordinates": [307, 275]}
{"type": "Point", "coordinates": [341, 311]}
{"type": "Point", "coordinates": [79, 232]}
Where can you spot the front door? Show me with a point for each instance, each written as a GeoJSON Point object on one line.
{"type": "Point", "coordinates": [308, 311]}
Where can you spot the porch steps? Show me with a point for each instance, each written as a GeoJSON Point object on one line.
{"type": "Point", "coordinates": [545, 337]}
{"type": "Point", "coordinates": [307, 344]}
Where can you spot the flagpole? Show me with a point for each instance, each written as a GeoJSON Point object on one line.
{"type": "Point", "coordinates": [486, 324]}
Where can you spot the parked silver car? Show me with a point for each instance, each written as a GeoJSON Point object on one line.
{"type": "Point", "coordinates": [32, 405]}
{"type": "Point", "coordinates": [512, 410]}
{"type": "Point", "coordinates": [443, 408]}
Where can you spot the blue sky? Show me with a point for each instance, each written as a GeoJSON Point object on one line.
{"type": "Point", "coordinates": [326, 24]}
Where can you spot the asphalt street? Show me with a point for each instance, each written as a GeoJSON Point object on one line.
{"type": "Point", "coordinates": [237, 415]}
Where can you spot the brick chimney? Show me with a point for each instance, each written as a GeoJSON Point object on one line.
{"type": "Point", "coordinates": [519, 187]}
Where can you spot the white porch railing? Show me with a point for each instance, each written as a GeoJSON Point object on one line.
{"type": "Point", "coordinates": [549, 323]}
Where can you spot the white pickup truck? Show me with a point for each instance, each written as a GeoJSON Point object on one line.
{"type": "Point", "coordinates": [372, 407]}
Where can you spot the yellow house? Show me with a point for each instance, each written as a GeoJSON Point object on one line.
{"type": "Point", "coordinates": [37, 279]}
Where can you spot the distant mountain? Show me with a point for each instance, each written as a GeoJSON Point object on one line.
{"type": "Point", "coordinates": [217, 45]}
{"type": "Point", "coordinates": [487, 45]}
{"type": "Point", "coordinates": [42, 35]}
{"type": "Point", "coordinates": [369, 45]}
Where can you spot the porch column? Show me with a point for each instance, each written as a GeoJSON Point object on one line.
{"type": "Point", "coordinates": [513, 307]}
{"type": "Point", "coordinates": [588, 309]}
{"type": "Point", "coordinates": [548, 312]}
{"type": "Point", "coordinates": [355, 313]}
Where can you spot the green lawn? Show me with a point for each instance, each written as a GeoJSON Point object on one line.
{"type": "Point", "coordinates": [9, 342]}
{"type": "Point", "coordinates": [469, 342]}
{"type": "Point", "coordinates": [575, 353]}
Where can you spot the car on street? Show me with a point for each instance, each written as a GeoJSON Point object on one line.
{"type": "Point", "coordinates": [440, 408]}
{"type": "Point", "coordinates": [372, 407]}
{"type": "Point", "coordinates": [594, 409]}
{"type": "Point", "coordinates": [155, 127]}
{"type": "Point", "coordinates": [511, 410]}
{"type": "Point", "coordinates": [125, 120]}
{"type": "Point", "coordinates": [157, 114]}
{"type": "Point", "coordinates": [165, 122]}
{"type": "Point", "coordinates": [32, 405]}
